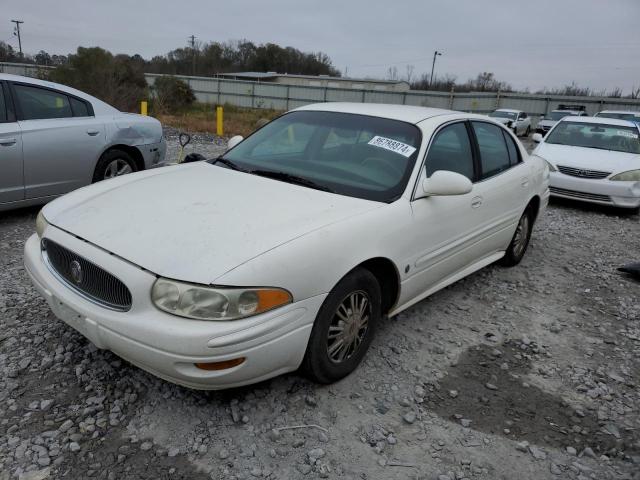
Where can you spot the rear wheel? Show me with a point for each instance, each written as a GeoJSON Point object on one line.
{"type": "Point", "coordinates": [520, 241]}
{"type": "Point", "coordinates": [344, 328]}
{"type": "Point", "coordinates": [113, 163]}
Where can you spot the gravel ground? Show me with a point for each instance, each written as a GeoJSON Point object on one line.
{"type": "Point", "coordinates": [531, 372]}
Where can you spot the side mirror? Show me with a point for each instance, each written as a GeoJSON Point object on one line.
{"type": "Point", "coordinates": [444, 182]}
{"type": "Point", "coordinates": [233, 141]}
{"type": "Point", "coordinates": [537, 138]}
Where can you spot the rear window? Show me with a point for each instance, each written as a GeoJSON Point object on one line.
{"type": "Point", "coordinates": [39, 103]}
{"type": "Point", "coordinates": [596, 135]}
{"type": "Point", "coordinates": [3, 107]}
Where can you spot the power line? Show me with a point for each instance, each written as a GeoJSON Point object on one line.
{"type": "Point", "coordinates": [17, 32]}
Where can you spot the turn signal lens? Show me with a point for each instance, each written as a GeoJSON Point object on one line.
{"type": "Point", "coordinates": [630, 176]}
{"type": "Point", "coordinates": [221, 365]}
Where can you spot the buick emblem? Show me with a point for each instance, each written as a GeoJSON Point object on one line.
{"type": "Point", "coordinates": [76, 271]}
{"type": "Point", "coordinates": [583, 173]}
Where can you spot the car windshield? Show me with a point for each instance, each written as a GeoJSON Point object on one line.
{"type": "Point", "coordinates": [596, 135]}
{"type": "Point", "coordinates": [633, 117]}
{"type": "Point", "coordinates": [502, 114]}
{"type": "Point", "coordinates": [559, 115]}
{"type": "Point", "coordinates": [355, 155]}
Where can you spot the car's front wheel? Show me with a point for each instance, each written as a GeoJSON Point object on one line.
{"type": "Point", "coordinates": [344, 328]}
{"type": "Point", "coordinates": [113, 163]}
{"type": "Point", "coordinates": [520, 241]}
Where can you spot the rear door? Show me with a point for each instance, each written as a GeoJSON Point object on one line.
{"type": "Point", "coordinates": [62, 139]}
{"type": "Point", "coordinates": [501, 193]}
{"type": "Point", "coordinates": [11, 178]}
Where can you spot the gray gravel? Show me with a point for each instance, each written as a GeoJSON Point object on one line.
{"type": "Point", "coordinates": [530, 373]}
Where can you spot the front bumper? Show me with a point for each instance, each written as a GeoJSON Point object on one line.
{"type": "Point", "coordinates": [603, 192]}
{"type": "Point", "coordinates": [154, 154]}
{"type": "Point", "coordinates": [168, 346]}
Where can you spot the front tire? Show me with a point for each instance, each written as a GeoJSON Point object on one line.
{"type": "Point", "coordinates": [520, 241]}
{"type": "Point", "coordinates": [113, 163]}
{"type": "Point", "coordinates": [344, 328]}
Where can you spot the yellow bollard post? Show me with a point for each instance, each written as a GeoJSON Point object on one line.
{"type": "Point", "coordinates": [143, 108]}
{"type": "Point", "coordinates": [219, 121]}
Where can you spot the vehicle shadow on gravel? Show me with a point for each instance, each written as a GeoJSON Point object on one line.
{"type": "Point", "coordinates": [487, 391]}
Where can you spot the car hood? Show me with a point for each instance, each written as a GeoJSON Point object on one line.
{"type": "Point", "coordinates": [196, 222]}
{"type": "Point", "coordinates": [502, 120]}
{"type": "Point", "coordinates": [588, 158]}
{"type": "Point", "coordinates": [547, 123]}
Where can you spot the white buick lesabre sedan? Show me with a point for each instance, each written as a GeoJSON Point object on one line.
{"type": "Point", "coordinates": [593, 159]}
{"type": "Point", "coordinates": [288, 250]}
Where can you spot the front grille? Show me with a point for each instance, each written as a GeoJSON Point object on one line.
{"type": "Point", "coordinates": [584, 195]}
{"type": "Point", "coordinates": [583, 173]}
{"type": "Point", "coordinates": [87, 278]}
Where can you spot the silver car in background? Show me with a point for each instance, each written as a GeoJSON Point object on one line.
{"type": "Point", "coordinates": [54, 139]}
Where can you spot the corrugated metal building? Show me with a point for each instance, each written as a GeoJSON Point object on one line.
{"type": "Point", "coordinates": [324, 81]}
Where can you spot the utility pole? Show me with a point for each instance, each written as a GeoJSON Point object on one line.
{"type": "Point", "coordinates": [433, 66]}
{"type": "Point", "coordinates": [17, 32]}
{"type": "Point", "coordinates": [192, 42]}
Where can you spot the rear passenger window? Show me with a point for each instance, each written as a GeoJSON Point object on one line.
{"type": "Point", "coordinates": [494, 156]}
{"type": "Point", "coordinates": [3, 107]}
{"type": "Point", "coordinates": [451, 150]}
{"type": "Point", "coordinates": [514, 153]}
{"type": "Point", "coordinates": [80, 108]}
{"type": "Point", "coordinates": [39, 103]}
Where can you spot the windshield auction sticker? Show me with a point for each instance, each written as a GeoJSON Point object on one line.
{"type": "Point", "coordinates": [392, 145]}
{"type": "Point", "coordinates": [626, 133]}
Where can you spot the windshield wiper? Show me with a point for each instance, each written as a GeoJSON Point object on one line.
{"type": "Point", "coordinates": [227, 162]}
{"type": "Point", "coordinates": [287, 177]}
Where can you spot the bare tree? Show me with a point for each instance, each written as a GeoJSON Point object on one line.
{"type": "Point", "coordinates": [392, 73]}
{"type": "Point", "coordinates": [410, 70]}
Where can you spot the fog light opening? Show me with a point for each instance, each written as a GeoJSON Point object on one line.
{"type": "Point", "coordinates": [220, 365]}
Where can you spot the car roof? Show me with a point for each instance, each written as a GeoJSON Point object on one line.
{"type": "Point", "coordinates": [620, 111]}
{"type": "Point", "coordinates": [510, 110]}
{"type": "Point", "coordinates": [601, 120]}
{"type": "Point", "coordinates": [405, 113]}
{"type": "Point", "coordinates": [99, 106]}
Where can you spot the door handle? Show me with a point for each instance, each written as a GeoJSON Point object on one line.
{"type": "Point", "coordinates": [7, 141]}
{"type": "Point", "coordinates": [476, 202]}
{"type": "Point", "coordinates": [93, 133]}
{"type": "Point", "coordinates": [524, 182]}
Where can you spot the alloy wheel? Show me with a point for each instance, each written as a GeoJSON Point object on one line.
{"type": "Point", "coordinates": [522, 236]}
{"type": "Point", "coordinates": [117, 168]}
{"type": "Point", "coordinates": [349, 326]}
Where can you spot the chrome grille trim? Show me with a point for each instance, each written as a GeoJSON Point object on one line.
{"type": "Point", "coordinates": [583, 173]}
{"type": "Point", "coordinates": [96, 284]}
{"type": "Point", "coordinates": [584, 195]}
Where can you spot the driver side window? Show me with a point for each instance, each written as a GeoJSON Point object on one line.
{"type": "Point", "coordinates": [451, 150]}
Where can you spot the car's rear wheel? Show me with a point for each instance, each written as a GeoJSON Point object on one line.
{"type": "Point", "coordinates": [113, 163]}
{"type": "Point", "coordinates": [520, 241]}
{"type": "Point", "coordinates": [344, 328]}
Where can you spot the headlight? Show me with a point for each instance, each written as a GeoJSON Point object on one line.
{"type": "Point", "coordinates": [630, 176]}
{"type": "Point", "coordinates": [41, 224]}
{"type": "Point", "coordinates": [209, 303]}
{"type": "Point", "coordinates": [552, 168]}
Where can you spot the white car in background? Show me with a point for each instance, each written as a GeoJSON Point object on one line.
{"type": "Point", "coordinates": [620, 114]}
{"type": "Point", "coordinates": [547, 122]}
{"type": "Point", "coordinates": [593, 159]}
{"type": "Point", "coordinates": [516, 120]}
{"type": "Point", "coordinates": [288, 250]}
{"type": "Point", "coordinates": [54, 139]}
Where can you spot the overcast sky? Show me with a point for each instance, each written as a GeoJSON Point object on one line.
{"type": "Point", "coordinates": [528, 44]}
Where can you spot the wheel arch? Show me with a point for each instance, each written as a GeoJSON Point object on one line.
{"type": "Point", "coordinates": [388, 278]}
{"type": "Point", "coordinates": [534, 204]}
